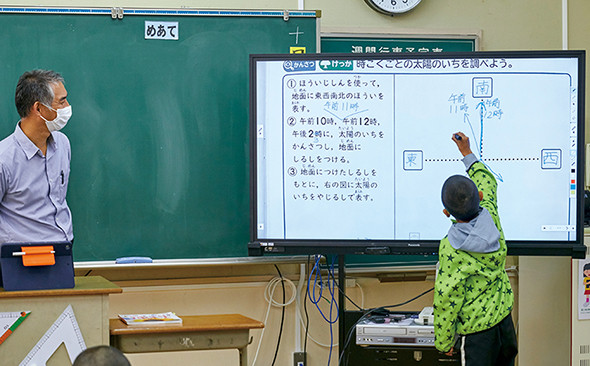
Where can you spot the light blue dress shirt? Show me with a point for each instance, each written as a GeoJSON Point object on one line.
{"type": "Point", "coordinates": [33, 189]}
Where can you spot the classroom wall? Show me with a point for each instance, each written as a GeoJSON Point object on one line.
{"type": "Point", "coordinates": [543, 309]}
{"type": "Point", "coordinates": [248, 298]}
{"type": "Point", "coordinates": [578, 31]}
{"type": "Point", "coordinates": [244, 292]}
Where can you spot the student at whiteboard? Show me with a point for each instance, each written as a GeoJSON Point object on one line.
{"type": "Point", "coordinates": [35, 163]}
{"type": "Point", "coordinates": [473, 299]}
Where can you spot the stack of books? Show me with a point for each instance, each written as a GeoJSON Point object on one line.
{"type": "Point", "coordinates": [151, 319]}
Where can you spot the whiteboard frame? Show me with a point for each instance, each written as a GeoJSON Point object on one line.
{"type": "Point", "coordinates": [119, 12]}
{"type": "Point", "coordinates": [192, 262]}
{"type": "Point", "coordinates": [257, 247]}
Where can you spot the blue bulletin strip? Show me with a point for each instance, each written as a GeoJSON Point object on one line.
{"type": "Point", "coordinates": [56, 10]}
{"type": "Point", "coordinates": [109, 11]}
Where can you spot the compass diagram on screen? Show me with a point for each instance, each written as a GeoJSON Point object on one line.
{"type": "Point", "coordinates": [487, 109]}
{"type": "Point", "coordinates": [480, 112]}
{"type": "Point", "coordinates": [477, 111]}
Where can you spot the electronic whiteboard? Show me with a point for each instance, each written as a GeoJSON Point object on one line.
{"type": "Point", "coordinates": [349, 152]}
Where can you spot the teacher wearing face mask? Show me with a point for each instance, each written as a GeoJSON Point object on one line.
{"type": "Point", "coordinates": [35, 163]}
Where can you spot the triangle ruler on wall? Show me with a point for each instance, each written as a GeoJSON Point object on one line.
{"type": "Point", "coordinates": [9, 321]}
{"type": "Point", "coordinates": [64, 330]}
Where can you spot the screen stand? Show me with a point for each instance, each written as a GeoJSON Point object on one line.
{"type": "Point", "coordinates": [342, 303]}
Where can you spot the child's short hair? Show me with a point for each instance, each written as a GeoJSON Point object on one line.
{"type": "Point", "coordinates": [101, 355]}
{"type": "Point", "coordinates": [460, 197]}
{"type": "Point", "coordinates": [586, 267]}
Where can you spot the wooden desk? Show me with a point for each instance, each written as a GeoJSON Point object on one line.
{"type": "Point", "coordinates": [90, 302]}
{"type": "Point", "coordinates": [200, 332]}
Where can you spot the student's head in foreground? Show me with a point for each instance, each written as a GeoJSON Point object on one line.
{"type": "Point", "coordinates": [101, 356]}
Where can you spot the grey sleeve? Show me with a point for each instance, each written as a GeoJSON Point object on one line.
{"type": "Point", "coordinates": [469, 160]}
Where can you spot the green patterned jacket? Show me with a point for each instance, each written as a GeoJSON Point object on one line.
{"type": "Point", "coordinates": [472, 290]}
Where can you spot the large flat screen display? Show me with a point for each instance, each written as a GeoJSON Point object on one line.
{"type": "Point", "coordinates": [349, 152]}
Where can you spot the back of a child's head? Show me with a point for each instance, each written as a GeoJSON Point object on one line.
{"type": "Point", "coordinates": [460, 197]}
{"type": "Point", "coordinates": [101, 356]}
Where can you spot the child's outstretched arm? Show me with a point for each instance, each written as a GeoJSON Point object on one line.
{"type": "Point", "coordinates": [481, 176]}
{"type": "Point", "coordinates": [462, 142]}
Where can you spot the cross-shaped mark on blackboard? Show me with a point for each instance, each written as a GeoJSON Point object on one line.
{"type": "Point", "coordinates": [296, 34]}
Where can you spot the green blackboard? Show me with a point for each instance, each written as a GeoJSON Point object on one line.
{"type": "Point", "coordinates": [159, 132]}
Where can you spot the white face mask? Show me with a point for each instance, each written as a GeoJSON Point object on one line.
{"type": "Point", "coordinates": [63, 115]}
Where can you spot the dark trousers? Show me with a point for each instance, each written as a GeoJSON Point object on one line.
{"type": "Point", "coordinates": [493, 347]}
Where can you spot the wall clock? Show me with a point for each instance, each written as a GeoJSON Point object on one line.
{"type": "Point", "coordinates": [392, 7]}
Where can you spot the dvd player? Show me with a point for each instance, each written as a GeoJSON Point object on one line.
{"type": "Point", "coordinates": [394, 330]}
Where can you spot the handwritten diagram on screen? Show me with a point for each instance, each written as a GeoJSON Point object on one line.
{"type": "Point", "coordinates": [359, 149]}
